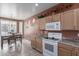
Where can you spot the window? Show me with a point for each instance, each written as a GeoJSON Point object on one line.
{"type": "Point", "coordinates": [8, 26]}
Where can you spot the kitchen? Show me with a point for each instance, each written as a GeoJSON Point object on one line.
{"type": "Point", "coordinates": [58, 22]}
{"type": "Point", "coordinates": [53, 31]}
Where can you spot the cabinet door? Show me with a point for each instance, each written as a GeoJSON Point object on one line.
{"type": "Point", "coordinates": [39, 44]}
{"type": "Point", "coordinates": [33, 43]}
{"type": "Point", "coordinates": [67, 20]}
{"type": "Point", "coordinates": [45, 20]}
{"type": "Point", "coordinates": [77, 19]}
{"type": "Point", "coordinates": [49, 19]}
{"type": "Point", "coordinates": [56, 17]}
{"type": "Point", "coordinates": [77, 51]}
{"type": "Point", "coordinates": [42, 23]}
{"type": "Point", "coordinates": [65, 50]}
{"type": "Point", "coordinates": [37, 25]}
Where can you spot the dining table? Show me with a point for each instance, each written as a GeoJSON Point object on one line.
{"type": "Point", "coordinates": [11, 36]}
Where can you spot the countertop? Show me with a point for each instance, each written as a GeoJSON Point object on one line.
{"type": "Point", "coordinates": [68, 41]}
{"type": "Point", "coordinates": [74, 43]}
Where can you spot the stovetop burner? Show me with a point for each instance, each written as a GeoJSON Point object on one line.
{"type": "Point", "coordinates": [51, 38]}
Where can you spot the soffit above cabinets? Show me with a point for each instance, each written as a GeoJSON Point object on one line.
{"type": "Point", "coordinates": [22, 10]}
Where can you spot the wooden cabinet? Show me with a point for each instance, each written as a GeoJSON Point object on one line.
{"type": "Point", "coordinates": [43, 21]}
{"type": "Point", "coordinates": [56, 17]}
{"type": "Point", "coordinates": [67, 20]}
{"type": "Point", "coordinates": [33, 43]}
{"type": "Point", "coordinates": [37, 24]}
{"type": "Point", "coordinates": [39, 44]}
{"type": "Point", "coordinates": [66, 50]}
{"type": "Point", "coordinates": [36, 43]}
{"type": "Point", "coordinates": [77, 51]}
{"type": "Point", "coordinates": [77, 19]}
{"type": "Point", "coordinates": [49, 19]}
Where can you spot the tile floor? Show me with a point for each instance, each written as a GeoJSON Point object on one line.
{"type": "Point", "coordinates": [25, 50]}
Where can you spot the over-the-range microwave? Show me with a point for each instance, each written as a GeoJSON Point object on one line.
{"type": "Point", "coordinates": [52, 26]}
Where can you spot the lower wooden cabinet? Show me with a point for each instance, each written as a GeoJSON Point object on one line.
{"type": "Point", "coordinates": [36, 43]}
{"type": "Point", "coordinates": [39, 44]}
{"type": "Point", "coordinates": [66, 50]}
{"type": "Point", "coordinates": [33, 43]}
{"type": "Point", "coordinates": [77, 51]}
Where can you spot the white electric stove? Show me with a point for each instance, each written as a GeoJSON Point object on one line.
{"type": "Point", "coordinates": [50, 44]}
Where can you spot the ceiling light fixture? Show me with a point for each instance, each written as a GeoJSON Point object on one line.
{"type": "Point", "coordinates": [36, 4]}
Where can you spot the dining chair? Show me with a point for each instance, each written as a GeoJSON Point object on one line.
{"type": "Point", "coordinates": [12, 40]}
{"type": "Point", "coordinates": [19, 38]}
{"type": "Point", "coordinates": [3, 38]}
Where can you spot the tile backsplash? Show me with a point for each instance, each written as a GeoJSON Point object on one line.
{"type": "Point", "coordinates": [71, 34]}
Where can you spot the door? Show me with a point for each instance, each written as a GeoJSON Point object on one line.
{"type": "Point", "coordinates": [67, 20]}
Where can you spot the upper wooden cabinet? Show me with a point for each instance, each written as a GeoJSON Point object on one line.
{"type": "Point", "coordinates": [37, 24]}
{"type": "Point", "coordinates": [77, 19]}
{"type": "Point", "coordinates": [67, 20]}
{"type": "Point", "coordinates": [56, 17]}
{"type": "Point", "coordinates": [49, 19]}
{"type": "Point", "coordinates": [43, 21]}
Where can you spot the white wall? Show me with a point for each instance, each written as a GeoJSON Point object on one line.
{"type": "Point", "coordinates": [11, 11]}
{"type": "Point", "coordinates": [21, 27]}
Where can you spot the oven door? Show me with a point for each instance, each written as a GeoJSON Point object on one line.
{"type": "Point", "coordinates": [50, 48]}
